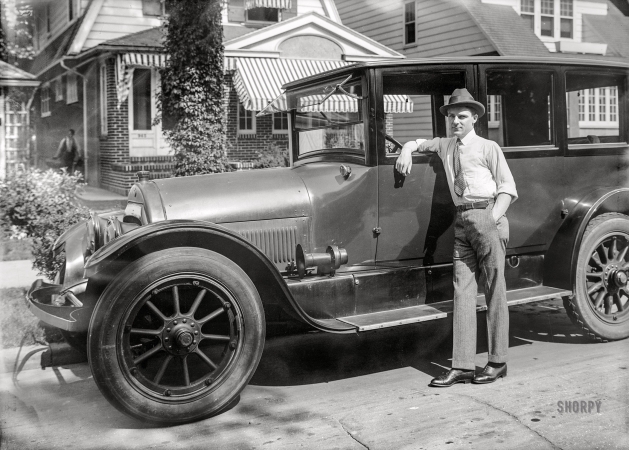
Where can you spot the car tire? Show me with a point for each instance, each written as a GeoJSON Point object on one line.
{"type": "Point", "coordinates": [600, 306]}
{"type": "Point", "coordinates": [176, 336]}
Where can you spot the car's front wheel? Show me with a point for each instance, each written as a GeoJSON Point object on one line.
{"type": "Point", "coordinates": [176, 336]}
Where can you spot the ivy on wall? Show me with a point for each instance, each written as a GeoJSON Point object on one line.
{"type": "Point", "coordinates": [191, 98]}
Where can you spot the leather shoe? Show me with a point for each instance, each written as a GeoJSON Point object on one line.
{"type": "Point", "coordinates": [451, 377]}
{"type": "Point", "coordinates": [490, 374]}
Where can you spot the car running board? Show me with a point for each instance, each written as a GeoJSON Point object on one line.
{"type": "Point", "coordinates": [423, 313]}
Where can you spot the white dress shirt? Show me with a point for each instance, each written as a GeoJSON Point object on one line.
{"type": "Point", "coordinates": [484, 167]}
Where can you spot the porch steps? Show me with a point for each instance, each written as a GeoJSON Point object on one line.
{"type": "Point", "coordinates": [422, 313]}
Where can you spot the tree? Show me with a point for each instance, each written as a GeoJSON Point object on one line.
{"type": "Point", "coordinates": [16, 35]}
{"type": "Point", "coordinates": [192, 87]}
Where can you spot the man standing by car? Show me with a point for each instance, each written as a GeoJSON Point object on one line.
{"type": "Point", "coordinates": [482, 188]}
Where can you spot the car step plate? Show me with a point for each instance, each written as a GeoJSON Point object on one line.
{"type": "Point", "coordinates": [422, 313]}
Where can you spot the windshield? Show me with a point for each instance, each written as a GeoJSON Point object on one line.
{"type": "Point", "coordinates": [328, 118]}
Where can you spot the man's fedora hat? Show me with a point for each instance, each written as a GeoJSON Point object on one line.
{"type": "Point", "coordinates": [461, 97]}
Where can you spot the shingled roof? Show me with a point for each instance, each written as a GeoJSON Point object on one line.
{"type": "Point", "coordinates": [12, 76]}
{"type": "Point", "coordinates": [54, 51]}
{"type": "Point", "coordinates": [152, 39]}
{"type": "Point", "coordinates": [612, 29]}
{"type": "Point", "coordinates": [505, 29]}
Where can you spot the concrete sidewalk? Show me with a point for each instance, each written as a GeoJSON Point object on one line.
{"type": "Point", "coordinates": [16, 274]}
{"type": "Point", "coordinates": [100, 199]}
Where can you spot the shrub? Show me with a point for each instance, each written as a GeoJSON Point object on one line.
{"type": "Point", "coordinates": [40, 205]}
{"type": "Point", "coordinates": [272, 156]}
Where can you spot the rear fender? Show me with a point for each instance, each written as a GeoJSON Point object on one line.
{"type": "Point", "coordinates": [107, 262]}
{"type": "Point", "coordinates": [564, 250]}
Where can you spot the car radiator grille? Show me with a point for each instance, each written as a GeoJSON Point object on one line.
{"type": "Point", "coordinates": [278, 243]}
{"type": "Point", "coordinates": [277, 239]}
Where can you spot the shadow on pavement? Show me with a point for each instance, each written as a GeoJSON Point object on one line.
{"type": "Point", "coordinates": [316, 357]}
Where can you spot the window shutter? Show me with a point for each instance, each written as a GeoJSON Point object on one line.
{"type": "Point", "coordinates": [152, 7]}
{"type": "Point", "coordinates": [236, 9]}
{"type": "Point", "coordinates": [290, 13]}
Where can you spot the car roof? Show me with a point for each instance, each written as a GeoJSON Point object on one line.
{"type": "Point", "coordinates": [564, 61]}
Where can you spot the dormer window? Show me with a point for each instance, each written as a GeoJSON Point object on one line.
{"type": "Point", "coordinates": [549, 18]}
{"type": "Point", "coordinates": [566, 22]}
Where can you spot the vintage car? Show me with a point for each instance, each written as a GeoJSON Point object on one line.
{"type": "Point", "coordinates": [172, 294]}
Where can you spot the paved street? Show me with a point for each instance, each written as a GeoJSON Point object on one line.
{"type": "Point", "coordinates": [355, 392]}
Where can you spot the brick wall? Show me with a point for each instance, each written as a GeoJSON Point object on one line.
{"type": "Point", "coordinates": [114, 148]}
{"type": "Point", "coordinates": [118, 169]}
{"type": "Point", "coordinates": [246, 147]}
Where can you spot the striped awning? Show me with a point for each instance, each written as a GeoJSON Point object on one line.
{"type": "Point", "coordinates": [279, 4]}
{"type": "Point", "coordinates": [259, 81]}
{"type": "Point", "coordinates": [126, 62]}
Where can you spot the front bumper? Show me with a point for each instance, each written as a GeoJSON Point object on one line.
{"type": "Point", "coordinates": [59, 307]}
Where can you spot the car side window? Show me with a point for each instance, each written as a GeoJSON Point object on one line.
{"type": "Point", "coordinates": [412, 102]}
{"type": "Point", "coordinates": [519, 107]}
{"type": "Point", "coordinates": [593, 108]}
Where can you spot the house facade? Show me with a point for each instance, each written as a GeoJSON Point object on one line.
{"type": "Point", "coordinates": [593, 29]}
{"type": "Point", "coordinates": [99, 63]}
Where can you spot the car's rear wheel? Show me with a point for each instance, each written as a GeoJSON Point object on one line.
{"type": "Point", "coordinates": [176, 336]}
{"type": "Point", "coordinates": [601, 302]}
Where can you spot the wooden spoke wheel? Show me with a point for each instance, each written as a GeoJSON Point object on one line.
{"type": "Point", "coordinates": [601, 302]}
{"type": "Point", "coordinates": [177, 336]}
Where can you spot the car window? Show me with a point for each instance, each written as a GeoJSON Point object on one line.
{"type": "Point", "coordinates": [415, 100]}
{"type": "Point", "coordinates": [328, 118]}
{"type": "Point", "coordinates": [519, 107]}
{"type": "Point", "coordinates": [593, 108]}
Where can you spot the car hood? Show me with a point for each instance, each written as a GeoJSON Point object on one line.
{"type": "Point", "coordinates": [260, 194]}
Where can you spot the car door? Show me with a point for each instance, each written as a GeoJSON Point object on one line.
{"type": "Point", "coordinates": [416, 212]}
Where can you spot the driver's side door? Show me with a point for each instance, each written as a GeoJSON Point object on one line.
{"type": "Point", "coordinates": [416, 213]}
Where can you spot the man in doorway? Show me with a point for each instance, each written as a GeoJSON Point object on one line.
{"type": "Point", "coordinates": [69, 152]}
{"type": "Point", "coordinates": [482, 188]}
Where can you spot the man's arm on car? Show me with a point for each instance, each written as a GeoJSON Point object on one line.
{"type": "Point", "coordinates": [405, 160]}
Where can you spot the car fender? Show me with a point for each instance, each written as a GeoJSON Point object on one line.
{"type": "Point", "coordinates": [563, 252]}
{"type": "Point", "coordinates": [110, 260]}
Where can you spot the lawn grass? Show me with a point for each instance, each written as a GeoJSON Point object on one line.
{"type": "Point", "coordinates": [15, 249]}
{"type": "Point", "coordinates": [18, 326]}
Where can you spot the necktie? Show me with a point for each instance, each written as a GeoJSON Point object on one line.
{"type": "Point", "coordinates": [459, 182]}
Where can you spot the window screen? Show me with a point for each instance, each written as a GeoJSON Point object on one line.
{"type": "Point", "coordinates": [525, 111]}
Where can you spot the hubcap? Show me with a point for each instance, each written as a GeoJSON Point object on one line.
{"type": "Point", "coordinates": [180, 337]}
{"type": "Point", "coordinates": [606, 278]}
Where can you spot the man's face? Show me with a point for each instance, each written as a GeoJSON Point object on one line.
{"type": "Point", "coordinates": [461, 120]}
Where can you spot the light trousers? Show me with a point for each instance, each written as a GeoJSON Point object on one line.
{"type": "Point", "coordinates": [479, 255]}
